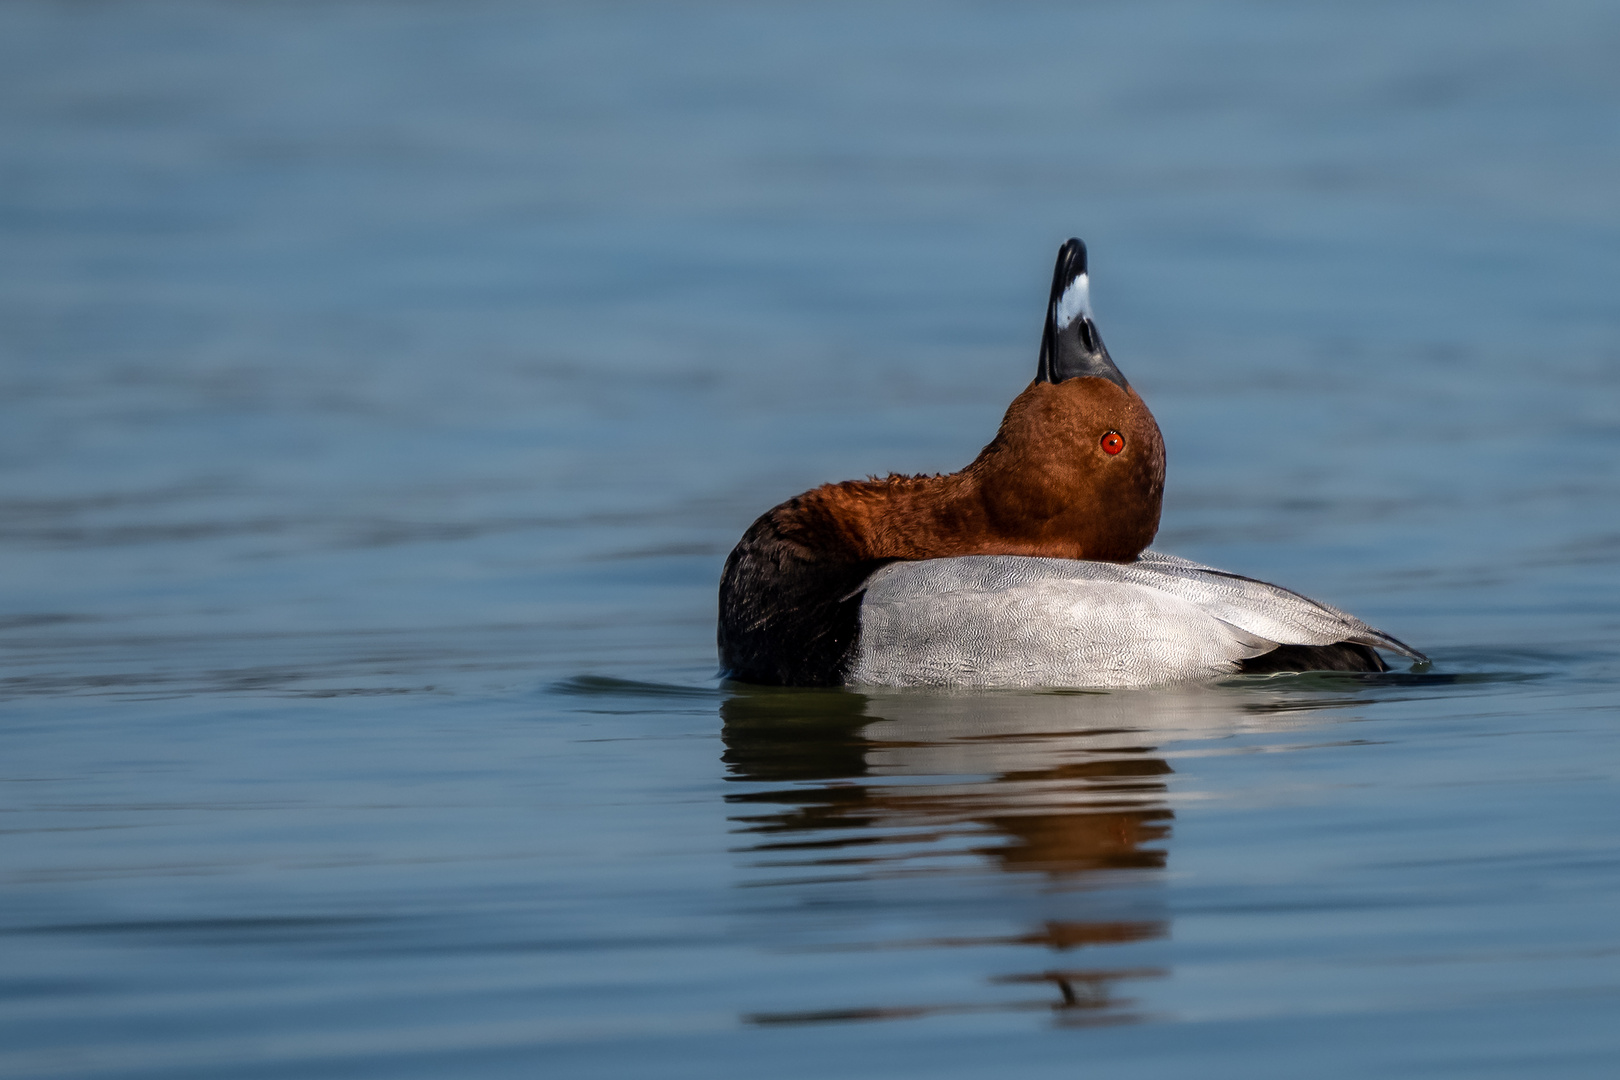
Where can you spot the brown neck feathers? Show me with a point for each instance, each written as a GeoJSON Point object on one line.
{"type": "Point", "coordinates": [1076, 471]}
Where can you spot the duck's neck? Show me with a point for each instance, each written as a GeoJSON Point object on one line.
{"type": "Point", "coordinates": [936, 517]}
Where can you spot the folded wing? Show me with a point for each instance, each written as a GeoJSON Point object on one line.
{"type": "Point", "coordinates": [990, 620]}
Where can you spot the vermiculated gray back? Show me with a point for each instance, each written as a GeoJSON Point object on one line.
{"type": "Point", "coordinates": [996, 620]}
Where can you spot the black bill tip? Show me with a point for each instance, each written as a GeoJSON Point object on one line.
{"type": "Point", "coordinates": [1071, 348]}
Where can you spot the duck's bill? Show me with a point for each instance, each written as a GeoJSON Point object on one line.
{"type": "Point", "coordinates": [1071, 348]}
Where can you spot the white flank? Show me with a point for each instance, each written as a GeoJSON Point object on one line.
{"type": "Point", "coordinates": [1076, 300]}
{"type": "Point", "coordinates": [1011, 620]}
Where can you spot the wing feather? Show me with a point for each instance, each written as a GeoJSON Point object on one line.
{"type": "Point", "coordinates": [993, 620]}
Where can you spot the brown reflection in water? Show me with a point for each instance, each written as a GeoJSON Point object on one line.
{"type": "Point", "coordinates": [1025, 785]}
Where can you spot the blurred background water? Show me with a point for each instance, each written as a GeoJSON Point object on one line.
{"type": "Point", "coordinates": [381, 388]}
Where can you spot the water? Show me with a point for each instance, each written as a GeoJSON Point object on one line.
{"type": "Point", "coordinates": [381, 387]}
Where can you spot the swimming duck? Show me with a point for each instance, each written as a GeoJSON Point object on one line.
{"type": "Point", "coordinates": [1029, 567]}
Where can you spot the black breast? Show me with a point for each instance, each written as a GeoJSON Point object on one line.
{"type": "Point", "coordinates": [789, 614]}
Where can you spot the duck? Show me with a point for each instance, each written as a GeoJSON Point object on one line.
{"type": "Point", "coordinates": [1030, 567]}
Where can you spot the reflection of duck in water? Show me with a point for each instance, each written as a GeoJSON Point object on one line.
{"type": "Point", "coordinates": [1027, 568]}
{"type": "Point", "coordinates": [1059, 790]}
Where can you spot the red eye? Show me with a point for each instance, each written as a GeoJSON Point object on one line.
{"type": "Point", "coordinates": [1113, 442]}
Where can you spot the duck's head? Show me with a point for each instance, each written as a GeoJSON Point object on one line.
{"type": "Point", "coordinates": [1078, 464]}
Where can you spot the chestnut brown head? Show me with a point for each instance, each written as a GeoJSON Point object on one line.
{"type": "Point", "coordinates": [1077, 468]}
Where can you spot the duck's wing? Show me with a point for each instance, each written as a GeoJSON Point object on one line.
{"type": "Point", "coordinates": [995, 620]}
{"type": "Point", "coordinates": [986, 620]}
{"type": "Point", "coordinates": [1258, 607]}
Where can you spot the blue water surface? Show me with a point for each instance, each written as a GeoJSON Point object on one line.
{"type": "Point", "coordinates": [381, 389]}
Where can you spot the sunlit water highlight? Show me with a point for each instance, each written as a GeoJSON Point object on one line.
{"type": "Point", "coordinates": [381, 387]}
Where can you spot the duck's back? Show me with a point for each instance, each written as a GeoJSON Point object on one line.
{"type": "Point", "coordinates": [988, 620]}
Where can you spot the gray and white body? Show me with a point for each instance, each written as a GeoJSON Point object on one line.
{"type": "Point", "coordinates": [1011, 621]}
